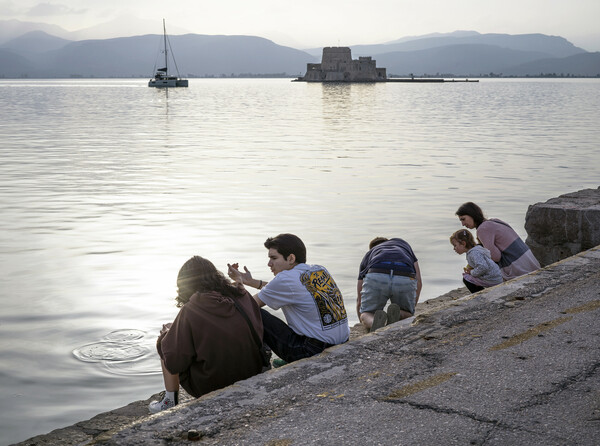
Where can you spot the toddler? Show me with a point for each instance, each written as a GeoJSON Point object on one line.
{"type": "Point", "coordinates": [481, 271]}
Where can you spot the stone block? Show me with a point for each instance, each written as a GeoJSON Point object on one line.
{"type": "Point", "coordinates": [564, 226]}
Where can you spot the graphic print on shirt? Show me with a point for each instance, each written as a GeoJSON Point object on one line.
{"type": "Point", "coordinates": [327, 296]}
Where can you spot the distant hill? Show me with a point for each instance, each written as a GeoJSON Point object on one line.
{"type": "Point", "coordinates": [35, 42]}
{"type": "Point", "coordinates": [13, 66]}
{"type": "Point", "coordinates": [551, 46]}
{"type": "Point", "coordinates": [426, 36]}
{"type": "Point", "coordinates": [11, 29]}
{"type": "Point", "coordinates": [472, 54]}
{"type": "Point", "coordinates": [455, 60]}
{"type": "Point", "coordinates": [39, 53]}
{"type": "Point", "coordinates": [134, 26]}
{"type": "Point", "coordinates": [587, 64]}
{"type": "Point", "coordinates": [463, 60]}
{"type": "Point", "coordinates": [484, 60]}
{"type": "Point", "coordinates": [196, 55]}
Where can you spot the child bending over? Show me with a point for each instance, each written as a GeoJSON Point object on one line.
{"type": "Point", "coordinates": [481, 271]}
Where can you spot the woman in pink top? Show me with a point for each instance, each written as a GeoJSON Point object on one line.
{"type": "Point", "coordinates": [506, 247]}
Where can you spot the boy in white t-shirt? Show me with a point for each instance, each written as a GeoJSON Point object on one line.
{"type": "Point", "coordinates": [308, 297]}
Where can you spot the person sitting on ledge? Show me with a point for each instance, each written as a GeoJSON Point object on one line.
{"type": "Point", "coordinates": [481, 271]}
{"type": "Point", "coordinates": [388, 271]}
{"type": "Point", "coordinates": [308, 296]}
{"type": "Point", "coordinates": [209, 345]}
{"type": "Point", "coordinates": [506, 247]}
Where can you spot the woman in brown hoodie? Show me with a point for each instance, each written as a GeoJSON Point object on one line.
{"type": "Point", "coordinates": [209, 345]}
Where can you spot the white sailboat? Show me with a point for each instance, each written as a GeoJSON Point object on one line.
{"type": "Point", "coordinates": [162, 78]}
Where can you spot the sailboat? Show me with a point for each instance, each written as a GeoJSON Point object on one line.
{"type": "Point", "coordinates": [162, 79]}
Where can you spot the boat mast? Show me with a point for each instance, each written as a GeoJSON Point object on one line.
{"type": "Point", "coordinates": [165, 42]}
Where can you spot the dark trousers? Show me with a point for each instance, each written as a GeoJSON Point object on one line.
{"type": "Point", "coordinates": [286, 343]}
{"type": "Point", "coordinates": [472, 287]}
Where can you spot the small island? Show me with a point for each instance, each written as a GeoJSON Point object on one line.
{"type": "Point", "coordinates": [337, 65]}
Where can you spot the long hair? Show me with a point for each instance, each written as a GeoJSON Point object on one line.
{"type": "Point", "coordinates": [464, 236]}
{"type": "Point", "coordinates": [200, 275]}
{"type": "Point", "coordinates": [473, 211]}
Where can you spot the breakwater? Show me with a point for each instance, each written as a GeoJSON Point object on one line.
{"type": "Point", "coordinates": [515, 363]}
{"type": "Point", "coordinates": [504, 366]}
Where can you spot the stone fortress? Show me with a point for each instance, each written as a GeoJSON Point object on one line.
{"type": "Point", "coordinates": [337, 66]}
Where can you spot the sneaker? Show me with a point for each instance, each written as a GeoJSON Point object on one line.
{"type": "Point", "coordinates": [393, 313]}
{"type": "Point", "coordinates": [379, 320]}
{"type": "Point", "coordinates": [277, 362]}
{"type": "Point", "coordinates": [163, 404]}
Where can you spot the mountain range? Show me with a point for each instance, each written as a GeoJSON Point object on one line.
{"type": "Point", "coordinates": [44, 51]}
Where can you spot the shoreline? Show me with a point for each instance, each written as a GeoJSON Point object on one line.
{"type": "Point", "coordinates": [544, 323]}
{"type": "Point", "coordinates": [485, 370]}
{"type": "Point", "coordinates": [87, 431]}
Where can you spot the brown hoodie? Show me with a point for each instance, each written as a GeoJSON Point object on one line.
{"type": "Point", "coordinates": [210, 344]}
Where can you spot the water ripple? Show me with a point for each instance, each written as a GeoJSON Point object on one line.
{"type": "Point", "coordinates": [110, 351]}
{"type": "Point", "coordinates": [121, 352]}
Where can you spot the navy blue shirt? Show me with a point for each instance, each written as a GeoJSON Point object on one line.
{"type": "Point", "coordinates": [393, 254]}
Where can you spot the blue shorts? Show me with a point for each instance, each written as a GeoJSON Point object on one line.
{"type": "Point", "coordinates": [378, 288]}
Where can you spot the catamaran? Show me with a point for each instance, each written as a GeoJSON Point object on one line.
{"type": "Point", "coordinates": [162, 78]}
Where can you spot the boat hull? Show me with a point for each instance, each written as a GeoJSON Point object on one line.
{"type": "Point", "coordinates": [167, 83]}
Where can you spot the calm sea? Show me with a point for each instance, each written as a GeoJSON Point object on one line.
{"type": "Point", "coordinates": [108, 186]}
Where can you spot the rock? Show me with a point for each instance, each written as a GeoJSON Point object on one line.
{"type": "Point", "coordinates": [564, 226]}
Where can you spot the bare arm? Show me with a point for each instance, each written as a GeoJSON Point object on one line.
{"type": "Point", "coordinates": [358, 300]}
{"type": "Point", "coordinates": [244, 278]}
{"type": "Point", "coordinates": [419, 281]}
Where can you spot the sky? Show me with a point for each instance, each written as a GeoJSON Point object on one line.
{"type": "Point", "coordinates": [317, 23]}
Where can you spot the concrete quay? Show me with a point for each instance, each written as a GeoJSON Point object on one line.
{"type": "Point", "coordinates": [515, 364]}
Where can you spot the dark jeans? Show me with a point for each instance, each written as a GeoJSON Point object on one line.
{"type": "Point", "coordinates": [286, 343]}
{"type": "Point", "coordinates": [472, 287]}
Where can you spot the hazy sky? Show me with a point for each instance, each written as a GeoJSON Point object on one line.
{"type": "Point", "coordinates": [316, 23]}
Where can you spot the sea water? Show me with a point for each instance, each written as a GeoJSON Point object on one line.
{"type": "Point", "coordinates": [107, 187]}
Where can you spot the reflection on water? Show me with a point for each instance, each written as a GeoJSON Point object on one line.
{"type": "Point", "coordinates": [107, 187]}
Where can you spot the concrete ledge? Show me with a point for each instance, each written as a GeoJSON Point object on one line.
{"type": "Point", "coordinates": [517, 363]}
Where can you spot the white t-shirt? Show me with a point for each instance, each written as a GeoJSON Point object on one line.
{"type": "Point", "coordinates": [311, 302]}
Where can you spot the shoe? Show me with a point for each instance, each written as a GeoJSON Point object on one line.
{"type": "Point", "coordinates": [379, 320]}
{"type": "Point", "coordinates": [393, 313]}
{"type": "Point", "coordinates": [277, 362]}
{"type": "Point", "coordinates": [163, 404]}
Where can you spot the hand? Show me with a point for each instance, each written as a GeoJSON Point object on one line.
{"type": "Point", "coordinates": [165, 328]}
{"type": "Point", "coordinates": [236, 275]}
